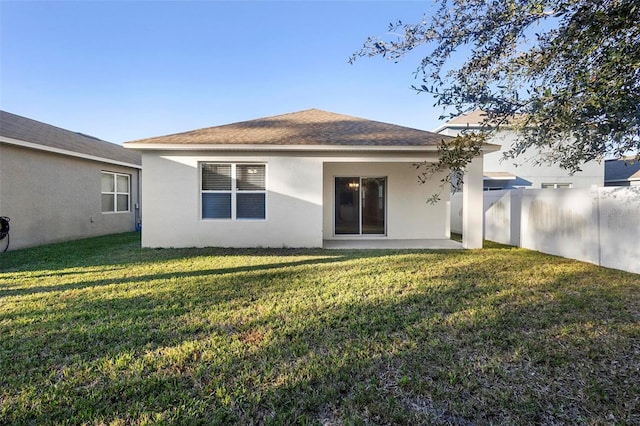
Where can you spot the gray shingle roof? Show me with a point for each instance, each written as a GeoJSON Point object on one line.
{"type": "Point", "coordinates": [472, 118]}
{"type": "Point", "coordinates": [476, 118]}
{"type": "Point", "coordinates": [27, 130]}
{"type": "Point", "coordinates": [309, 127]}
{"type": "Point", "coordinates": [619, 170]}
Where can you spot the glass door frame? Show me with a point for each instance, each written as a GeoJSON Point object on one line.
{"type": "Point", "coordinates": [360, 234]}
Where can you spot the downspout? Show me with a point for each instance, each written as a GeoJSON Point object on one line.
{"type": "Point", "coordinates": [138, 216]}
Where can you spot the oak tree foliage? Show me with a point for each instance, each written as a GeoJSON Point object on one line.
{"type": "Point", "coordinates": [565, 74]}
{"type": "Point", "coordinates": [453, 156]}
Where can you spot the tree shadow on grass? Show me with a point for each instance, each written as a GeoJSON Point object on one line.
{"type": "Point", "coordinates": [121, 250]}
{"type": "Point", "coordinates": [118, 250]}
{"type": "Point", "coordinates": [468, 344]}
{"type": "Point", "coordinates": [409, 361]}
{"type": "Point", "coordinates": [135, 326]}
{"type": "Point", "coordinates": [163, 276]}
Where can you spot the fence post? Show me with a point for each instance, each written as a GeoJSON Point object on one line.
{"type": "Point", "coordinates": [515, 204]}
{"type": "Point", "coordinates": [595, 197]}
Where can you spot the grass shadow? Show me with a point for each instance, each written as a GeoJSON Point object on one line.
{"type": "Point", "coordinates": [402, 337]}
{"type": "Point", "coordinates": [158, 276]}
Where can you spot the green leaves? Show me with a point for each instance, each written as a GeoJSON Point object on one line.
{"type": "Point", "coordinates": [570, 67]}
{"type": "Point", "coordinates": [454, 155]}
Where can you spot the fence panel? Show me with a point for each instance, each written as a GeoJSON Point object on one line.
{"type": "Point", "coordinates": [619, 219]}
{"type": "Point", "coordinates": [456, 213]}
{"type": "Point", "coordinates": [597, 225]}
{"type": "Point", "coordinates": [561, 222]}
{"type": "Point", "coordinates": [502, 216]}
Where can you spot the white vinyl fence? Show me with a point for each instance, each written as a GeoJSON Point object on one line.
{"type": "Point", "coordinates": [597, 225]}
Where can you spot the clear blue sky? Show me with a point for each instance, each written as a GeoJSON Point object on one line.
{"type": "Point", "coordinates": [123, 70]}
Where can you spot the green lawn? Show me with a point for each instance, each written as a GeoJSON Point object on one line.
{"type": "Point", "coordinates": [100, 331]}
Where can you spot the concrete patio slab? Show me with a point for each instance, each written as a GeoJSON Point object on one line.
{"type": "Point", "coordinates": [392, 244]}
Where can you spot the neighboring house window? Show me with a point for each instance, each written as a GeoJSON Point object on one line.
{"type": "Point", "coordinates": [556, 185]}
{"type": "Point", "coordinates": [115, 192]}
{"type": "Point", "coordinates": [233, 191]}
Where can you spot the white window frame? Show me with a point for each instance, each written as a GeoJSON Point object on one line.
{"type": "Point", "coordinates": [234, 191]}
{"type": "Point", "coordinates": [115, 192]}
{"type": "Point", "coordinates": [556, 185]}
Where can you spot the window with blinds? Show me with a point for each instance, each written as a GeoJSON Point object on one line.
{"type": "Point", "coordinates": [216, 191]}
{"type": "Point", "coordinates": [233, 191]}
{"type": "Point", "coordinates": [216, 177]}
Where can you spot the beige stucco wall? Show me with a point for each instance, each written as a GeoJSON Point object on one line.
{"type": "Point", "coordinates": [52, 197]}
{"type": "Point", "coordinates": [172, 203]}
{"type": "Point", "coordinates": [299, 199]}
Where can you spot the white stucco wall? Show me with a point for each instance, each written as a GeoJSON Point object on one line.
{"type": "Point", "coordinates": [172, 203]}
{"type": "Point", "coordinates": [52, 197]}
{"type": "Point", "coordinates": [299, 206]}
{"type": "Point", "coordinates": [472, 218]}
{"type": "Point", "coordinates": [531, 176]}
{"type": "Point", "coordinates": [408, 214]}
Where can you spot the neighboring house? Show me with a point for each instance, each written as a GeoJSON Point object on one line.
{"type": "Point", "coordinates": [297, 180]}
{"type": "Point", "coordinates": [621, 173]}
{"type": "Point", "coordinates": [58, 185]}
{"type": "Point", "coordinates": [521, 172]}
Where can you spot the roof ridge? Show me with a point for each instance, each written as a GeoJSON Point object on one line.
{"type": "Point", "coordinates": [306, 127]}
{"type": "Point", "coordinates": [233, 123]}
{"type": "Point", "coordinates": [22, 117]}
{"type": "Point", "coordinates": [222, 125]}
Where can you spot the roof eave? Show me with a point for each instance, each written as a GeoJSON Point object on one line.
{"type": "Point", "coordinates": [486, 148]}
{"type": "Point", "coordinates": [46, 148]}
{"type": "Point", "coordinates": [277, 148]}
{"type": "Point", "coordinates": [490, 147]}
{"type": "Point", "coordinates": [455, 126]}
{"type": "Point", "coordinates": [506, 178]}
{"type": "Point", "coordinates": [630, 179]}
{"type": "Point", "coordinates": [471, 126]}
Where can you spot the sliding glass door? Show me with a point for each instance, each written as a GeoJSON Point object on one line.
{"type": "Point", "coordinates": [373, 205]}
{"type": "Point", "coordinates": [360, 204]}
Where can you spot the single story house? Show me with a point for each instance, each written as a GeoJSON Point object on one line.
{"type": "Point", "coordinates": [521, 172]}
{"type": "Point", "coordinates": [58, 185]}
{"type": "Point", "coordinates": [304, 179]}
{"type": "Point", "coordinates": [623, 172]}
